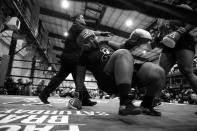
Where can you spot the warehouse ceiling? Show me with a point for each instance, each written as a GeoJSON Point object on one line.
{"type": "Point", "coordinates": [57, 20]}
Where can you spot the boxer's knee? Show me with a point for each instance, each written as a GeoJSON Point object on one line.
{"type": "Point", "coordinates": [157, 73]}
{"type": "Point", "coordinates": [123, 54]}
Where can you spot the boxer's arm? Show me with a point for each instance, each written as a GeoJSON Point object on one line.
{"type": "Point", "coordinates": [185, 29]}
{"type": "Point", "coordinates": [115, 45]}
{"type": "Point", "coordinates": [106, 34]}
{"type": "Point", "coordinates": [171, 39]}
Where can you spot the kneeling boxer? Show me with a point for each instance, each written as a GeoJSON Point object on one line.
{"type": "Point", "coordinates": [145, 74]}
{"type": "Point", "coordinates": [113, 71]}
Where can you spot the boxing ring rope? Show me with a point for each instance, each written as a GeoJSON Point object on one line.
{"type": "Point", "coordinates": [44, 78]}
{"type": "Point", "coordinates": [32, 82]}
{"type": "Point", "coordinates": [25, 68]}
{"type": "Point", "coordinates": [152, 8]}
{"type": "Point", "coordinates": [31, 61]}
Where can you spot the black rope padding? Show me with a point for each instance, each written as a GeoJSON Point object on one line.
{"type": "Point", "coordinates": [152, 8]}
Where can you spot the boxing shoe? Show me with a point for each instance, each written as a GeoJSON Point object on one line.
{"type": "Point", "coordinates": [156, 102]}
{"type": "Point", "coordinates": [149, 110]}
{"type": "Point", "coordinates": [129, 109]}
{"type": "Point", "coordinates": [44, 99]}
{"type": "Point", "coordinates": [84, 97]}
{"type": "Point", "coordinates": [148, 107]}
{"type": "Point", "coordinates": [88, 102]}
{"type": "Point", "coordinates": [75, 104]}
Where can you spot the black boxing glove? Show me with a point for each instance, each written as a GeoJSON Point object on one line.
{"type": "Point", "coordinates": [91, 44]}
{"type": "Point", "coordinates": [84, 36]}
{"type": "Point", "coordinates": [171, 39]}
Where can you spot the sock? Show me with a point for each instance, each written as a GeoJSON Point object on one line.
{"type": "Point", "coordinates": [86, 96]}
{"type": "Point", "coordinates": [124, 90]}
{"type": "Point", "coordinates": [78, 94]}
{"type": "Point", "coordinates": [147, 101]}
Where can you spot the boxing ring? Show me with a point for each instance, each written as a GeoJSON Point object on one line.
{"type": "Point", "coordinates": [26, 113]}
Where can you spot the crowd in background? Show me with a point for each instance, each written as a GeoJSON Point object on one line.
{"type": "Point", "coordinates": [186, 96]}
{"type": "Point", "coordinates": [169, 94]}
{"type": "Point", "coordinates": [18, 87]}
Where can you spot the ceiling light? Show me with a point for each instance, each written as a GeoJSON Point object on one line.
{"type": "Point", "coordinates": [49, 68]}
{"type": "Point", "coordinates": [65, 4]}
{"type": "Point", "coordinates": [65, 33]}
{"type": "Point", "coordinates": [129, 22]}
{"type": "Point", "coordinates": [144, 52]}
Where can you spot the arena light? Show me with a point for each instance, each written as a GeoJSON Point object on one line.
{"type": "Point", "coordinates": [144, 52]}
{"type": "Point", "coordinates": [129, 23]}
{"type": "Point", "coordinates": [65, 4]}
{"type": "Point", "coordinates": [66, 34]}
{"type": "Point", "coordinates": [49, 68]}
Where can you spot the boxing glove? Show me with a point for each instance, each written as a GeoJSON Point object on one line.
{"type": "Point", "coordinates": [139, 34]}
{"type": "Point", "coordinates": [91, 44]}
{"type": "Point", "coordinates": [86, 40]}
{"type": "Point", "coordinates": [137, 37]}
{"type": "Point", "coordinates": [171, 39]}
{"type": "Point", "coordinates": [84, 36]}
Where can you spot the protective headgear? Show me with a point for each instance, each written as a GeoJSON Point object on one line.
{"type": "Point", "coordinates": [185, 6]}
{"type": "Point", "coordinates": [138, 34]}
{"type": "Point", "coordinates": [138, 37]}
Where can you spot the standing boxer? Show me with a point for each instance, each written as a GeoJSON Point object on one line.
{"type": "Point", "coordinates": [179, 46]}
{"type": "Point", "coordinates": [69, 60]}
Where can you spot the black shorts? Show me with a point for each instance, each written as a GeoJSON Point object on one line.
{"type": "Point", "coordinates": [106, 82]}
{"type": "Point", "coordinates": [137, 66]}
{"type": "Point", "coordinates": [135, 81]}
{"type": "Point", "coordinates": [185, 42]}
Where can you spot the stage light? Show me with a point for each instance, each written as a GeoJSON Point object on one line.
{"type": "Point", "coordinates": [65, 4]}
{"type": "Point", "coordinates": [144, 52]}
{"type": "Point", "coordinates": [129, 23]}
{"type": "Point", "coordinates": [66, 34]}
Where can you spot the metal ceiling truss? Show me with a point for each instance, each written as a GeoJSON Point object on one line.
{"type": "Point", "coordinates": [54, 35]}
{"type": "Point", "coordinates": [98, 12]}
{"type": "Point", "coordinates": [25, 26]}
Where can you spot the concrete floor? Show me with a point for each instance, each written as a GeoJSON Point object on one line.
{"type": "Point", "coordinates": [26, 113]}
